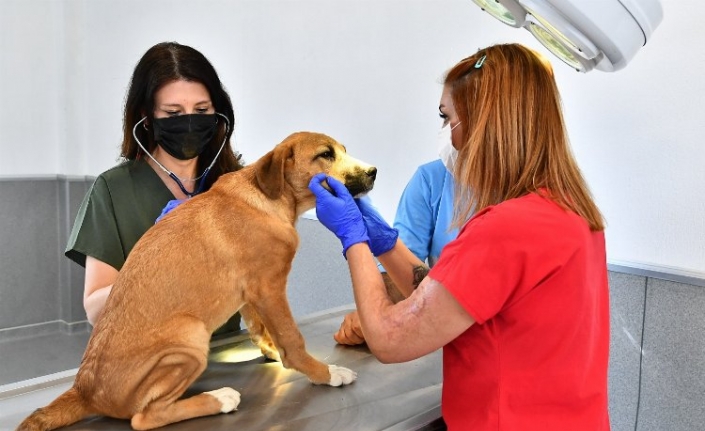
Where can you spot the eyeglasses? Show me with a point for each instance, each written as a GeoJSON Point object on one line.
{"type": "Point", "coordinates": [583, 34]}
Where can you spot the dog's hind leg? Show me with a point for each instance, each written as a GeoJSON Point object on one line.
{"type": "Point", "coordinates": [174, 369]}
{"type": "Point", "coordinates": [275, 313]}
{"type": "Point", "coordinates": [258, 332]}
{"type": "Point", "coordinates": [158, 414]}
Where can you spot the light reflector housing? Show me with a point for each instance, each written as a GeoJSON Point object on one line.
{"type": "Point", "coordinates": [585, 34]}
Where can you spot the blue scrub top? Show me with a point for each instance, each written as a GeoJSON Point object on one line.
{"type": "Point", "coordinates": [425, 211]}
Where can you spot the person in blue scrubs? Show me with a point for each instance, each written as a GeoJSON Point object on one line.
{"type": "Point", "coordinates": [423, 219]}
{"type": "Point", "coordinates": [425, 211]}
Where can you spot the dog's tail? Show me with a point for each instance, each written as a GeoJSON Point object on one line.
{"type": "Point", "coordinates": [67, 409]}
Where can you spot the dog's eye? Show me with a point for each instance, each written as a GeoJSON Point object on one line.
{"type": "Point", "coordinates": [330, 155]}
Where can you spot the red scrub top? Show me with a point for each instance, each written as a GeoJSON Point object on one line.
{"type": "Point", "coordinates": [534, 278]}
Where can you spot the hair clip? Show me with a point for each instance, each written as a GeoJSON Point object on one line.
{"type": "Point", "coordinates": [480, 62]}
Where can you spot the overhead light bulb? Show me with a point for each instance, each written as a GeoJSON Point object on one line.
{"type": "Point", "coordinates": [558, 49]}
{"type": "Point", "coordinates": [501, 12]}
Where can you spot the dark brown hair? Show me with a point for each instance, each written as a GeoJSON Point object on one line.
{"type": "Point", "coordinates": [164, 63]}
{"type": "Point", "coordinates": [514, 140]}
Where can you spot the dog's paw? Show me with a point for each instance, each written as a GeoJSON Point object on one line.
{"type": "Point", "coordinates": [267, 347]}
{"type": "Point", "coordinates": [271, 353]}
{"type": "Point", "coordinates": [229, 398]}
{"type": "Point", "coordinates": [341, 375]}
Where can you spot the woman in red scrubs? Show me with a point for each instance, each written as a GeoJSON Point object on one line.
{"type": "Point", "coordinates": [519, 302]}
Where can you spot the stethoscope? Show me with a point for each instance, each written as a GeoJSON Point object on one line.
{"type": "Point", "coordinates": [173, 176]}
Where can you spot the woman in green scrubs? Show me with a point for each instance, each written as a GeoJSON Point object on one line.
{"type": "Point", "coordinates": [177, 127]}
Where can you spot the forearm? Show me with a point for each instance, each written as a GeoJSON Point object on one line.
{"type": "Point", "coordinates": [370, 294]}
{"type": "Point", "coordinates": [403, 268]}
{"type": "Point", "coordinates": [98, 283]}
{"type": "Point", "coordinates": [425, 321]}
{"type": "Point", "coordinates": [95, 302]}
{"type": "Point", "coordinates": [388, 328]}
{"type": "Point", "coordinates": [392, 291]}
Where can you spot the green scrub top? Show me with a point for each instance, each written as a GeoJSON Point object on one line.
{"type": "Point", "coordinates": [120, 206]}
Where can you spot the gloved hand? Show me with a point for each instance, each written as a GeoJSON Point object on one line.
{"type": "Point", "coordinates": [169, 206]}
{"type": "Point", "coordinates": [382, 236]}
{"type": "Point", "coordinates": [338, 211]}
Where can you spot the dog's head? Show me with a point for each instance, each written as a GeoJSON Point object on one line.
{"type": "Point", "coordinates": [292, 164]}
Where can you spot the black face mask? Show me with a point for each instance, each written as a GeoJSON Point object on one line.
{"type": "Point", "coordinates": [185, 136]}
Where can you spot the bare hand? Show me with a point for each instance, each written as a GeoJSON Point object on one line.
{"type": "Point", "coordinates": [350, 331]}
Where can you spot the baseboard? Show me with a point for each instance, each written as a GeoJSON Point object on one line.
{"type": "Point", "coordinates": [44, 328]}
{"type": "Point", "coordinates": [661, 272]}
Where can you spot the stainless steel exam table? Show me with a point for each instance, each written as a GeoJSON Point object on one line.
{"type": "Point", "coordinates": [391, 397]}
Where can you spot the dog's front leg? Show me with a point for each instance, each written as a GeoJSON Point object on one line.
{"type": "Point", "coordinates": [258, 332]}
{"type": "Point", "coordinates": [274, 311]}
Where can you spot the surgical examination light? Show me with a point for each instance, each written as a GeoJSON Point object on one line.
{"type": "Point", "coordinates": [585, 34]}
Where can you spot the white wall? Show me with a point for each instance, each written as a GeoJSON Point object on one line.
{"type": "Point", "coordinates": [367, 73]}
{"type": "Point", "coordinates": [31, 75]}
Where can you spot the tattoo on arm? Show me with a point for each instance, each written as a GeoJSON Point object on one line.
{"type": "Point", "coordinates": [420, 272]}
{"type": "Point", "coordinates": [392, 290]}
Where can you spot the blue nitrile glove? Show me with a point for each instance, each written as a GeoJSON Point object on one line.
{"type": "Point", "coordinates": [338, 211]}
{"type": "Point", "coordinates": [169, 206]}
{"type": "Point", "coordinates": [382, 236]}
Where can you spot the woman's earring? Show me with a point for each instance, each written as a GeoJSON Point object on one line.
{"type": "Point", "coordinates": [145, 126]}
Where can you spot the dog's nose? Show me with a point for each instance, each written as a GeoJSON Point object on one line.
{"type": "Point", "coordinates": [372, 173]}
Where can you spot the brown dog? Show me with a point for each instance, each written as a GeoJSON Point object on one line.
{"type": "Point", "coordinates": [228, 249]}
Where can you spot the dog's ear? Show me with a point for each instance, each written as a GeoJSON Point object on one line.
{"type": "Point", "coordinates": [270, 170]}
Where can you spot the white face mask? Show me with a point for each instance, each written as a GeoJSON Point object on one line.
{"type": "Point", "coordinates": [446, 151]}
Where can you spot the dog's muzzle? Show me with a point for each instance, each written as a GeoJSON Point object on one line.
{"type": "Point", "coordinates": [361, 182]}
